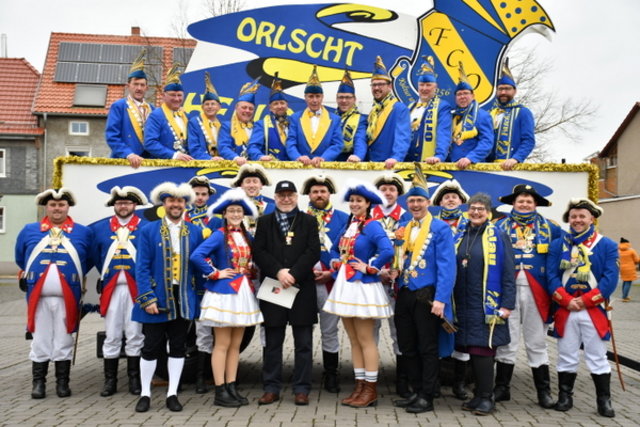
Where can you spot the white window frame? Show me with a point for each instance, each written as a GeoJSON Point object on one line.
{"type": "Point", "coordinates": [3, 219]}
{"type": "Point", "coordinates": [73, 122]}
{"type": "Point", "coordinates": [3, 163]}
{"type": "Point", "coordinates": [78, 148]}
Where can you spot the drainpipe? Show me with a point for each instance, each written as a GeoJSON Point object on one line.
{"type": "Point", "coordinates": [44, 155]}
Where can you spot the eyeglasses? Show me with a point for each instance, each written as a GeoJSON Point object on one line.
{"type": "Point", "coordinates": [286, 195]}
{"type": "Point", "coordinates": [379, 84]}
{"type": "Point", "coordinates": [477, 209]}
{"type": "Point", "coordinates": [344, 97]}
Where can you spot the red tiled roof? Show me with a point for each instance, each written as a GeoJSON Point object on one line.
{"type": "Point", "coordinates": [57, 98]}
{"type": "Point", "coordinates": [18, 82]}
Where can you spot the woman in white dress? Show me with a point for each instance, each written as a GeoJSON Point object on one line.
{"type": "Point", "coordinates": [229, 304]}
{"type": "Point", "coordinates": [357, 295]}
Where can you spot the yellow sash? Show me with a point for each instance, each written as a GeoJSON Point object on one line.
{"type": "Point", "coordinates": [315, 140]}
{"type": "Point", "coordinates": [416, 246]}
{"type": "Point", "coordinates": [178, 131]}
{"type": "Point", "coordinates": [134, 117]}
{"type": "Point", "coordinates": [380, 119]}
{"type": "Point", "coordinates": [206, 124]}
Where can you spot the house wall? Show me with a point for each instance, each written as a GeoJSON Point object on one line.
{"type": "Point", "coordinates": [619, 220]}
{"type": "Point", "coordinates": [628, 153]}
{"type": "Point", "coordinates": [19, 210]}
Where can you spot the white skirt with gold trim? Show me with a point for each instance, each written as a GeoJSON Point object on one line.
{"type": "Point", "coordinates": [231, 310]}
{"type": "Point", "coordinates": [357, 299]}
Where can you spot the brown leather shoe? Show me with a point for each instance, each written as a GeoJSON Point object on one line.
{"type": "Point", "coordinates": [301, 399]}
{"type": "Point", "coordinates": [268, 398]}
{"type": "Point", "coordinates": [368, 397]}
{"type": "Point", "coordinates": [354, 394]}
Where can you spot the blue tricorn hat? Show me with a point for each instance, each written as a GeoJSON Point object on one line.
{"type": "Point", "coordinates": [463, 80]}
{"type": "Point", "coordinates": [235, 196]}
{"type": "Point", "coordinates": [172, 82]}
{"type": "Point", "coordinates": [506, 78]}
{"type": "Point", "coordinates": [314, 85]}
{"type": "Point", "coordinates": [419, 185]}
{"type": "Point", "coordinates": [137, 67]}
{"type": "Point", "coordinates": [427, 72]}
{"type": "Point", "coordinates": [210, 93]}
{"type": "Point", "coordinates": [361, 188]}
{"type": "Point", "coordinates": [276, 89]}
{"type": "Point", "coordinates": [346, 85]}
{"type": "Point", "coordinates": [248, 92]}
{"type": "Point", "coordinates": [379, 70]}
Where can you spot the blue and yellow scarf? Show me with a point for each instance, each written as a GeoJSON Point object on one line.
{"type": "Point", "coordinates": [541, 227]}
{"type": "Point", "coordinates": [464, 122]}
{"type": "Point", "coordinates": [505, 128]}
{"type": "Point", "coordinates": [580, 257]}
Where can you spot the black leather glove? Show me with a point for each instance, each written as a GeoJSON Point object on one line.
{"type": "Point", "coordinates": [99, 286]}
{"type": "Point", "coordinates": [22, 284]}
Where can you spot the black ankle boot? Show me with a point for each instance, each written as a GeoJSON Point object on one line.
{"type": "Point", "coordinates": [603, 393]}
{"type": "Point", "coordinates": [543, 386]}
{"type": "Point", "coordinates": [502, 390]}
{"type": "Point", "coordinates": [483, 371]}
{"type": "Point", "coordinates": [459, 380]}
{"type": "Point", "coordinates": [63, 367]}
{"type": "Point", "coordinates": [204, 359]}
{"type": "Point", "coordinates": [330, 375]}
{"type": "Point", "coordinates": [233, 391]}
{"type": "Point", "coordinates": [224, 399]}
{"type": "Point", "coordinates": [133, 372]}
{"type": "Point", "coordinates": [110, 377]}
{"type": "Point", "coordinates": [39, 372]}
{"type": "Point", "coordinates": [566, 380]}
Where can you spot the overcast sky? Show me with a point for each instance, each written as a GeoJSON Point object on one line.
{"type": "Point", "coordinates": [595, 51]}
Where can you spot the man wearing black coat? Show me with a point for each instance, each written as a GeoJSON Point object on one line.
{"type": "Point", "coordinates": [286, 247]}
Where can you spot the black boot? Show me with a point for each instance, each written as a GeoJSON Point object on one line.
{"type": "Point", "coordinates": [204, 359]}
{"type": "Point", "coordinates": [133, 372]}
{"type": "Point", "coordinates": [566, 380]}
{"type": "Point", "coordinates": [459, 379]}
{"type": "Point", "coordinates": [502, 390]}
{"type": "Point", "coordinates": [39, 372]}
{"type": "Point", "coordinates": [483, 402]}
{"type": "Point", "coordinates": [62, 378]}
{"type": "Point", "coordinates": [110, 377]}
{"type": "Point", "coordinates": [603, 393]}
{"type": "Point", "coordinates": [233, 391]}
{"type": "Point", "coordinates": [330, 362]}
{"type": "Point", "coordinates": [543, 387]}
{"type": "Point", "coordinates": [402, 378]}
{"type": "Point", "coordinates": [224, 399]}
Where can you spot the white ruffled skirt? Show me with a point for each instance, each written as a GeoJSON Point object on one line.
{"type": "Point", "coordinates": [357, 299]}
{"type": "Point", "coordinates": [231, 310]}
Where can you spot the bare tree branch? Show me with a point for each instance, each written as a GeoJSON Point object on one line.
{"type": "Point", "coordinates": [222, 7]}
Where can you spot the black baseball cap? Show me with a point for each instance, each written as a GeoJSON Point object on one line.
{"type": "Point", "coordinates": [285, 186]}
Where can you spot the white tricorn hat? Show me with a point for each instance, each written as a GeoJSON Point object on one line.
{"type": "Point", "coordinates": [53, 194]}
{"type": "Point", "coordinates": [127, 192]}
{"type": "Point", "coordinates": [390, 179]}
{"type": "Point", "coordinates": [582, 203]}
{"type": "Point", "coordinates": [170, 189]}
{"type": "Point", "coordinates": [248, 170]}
{"type": "Point", "coordinates": [234, 196]}
{"type": "Point", "coordinates": [202, 181]}
{"type": "Point", "coordinates": [319, 180]}
{"type": "Point", "coordinates": [448, 186]}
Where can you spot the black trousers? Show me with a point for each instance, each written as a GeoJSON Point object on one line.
{"type": "Point", "coordinates": [418, 332]}
{"type": "Point", "coordinates": [157, 334]}
{"type": "Point", "coordinates": [303, 359]}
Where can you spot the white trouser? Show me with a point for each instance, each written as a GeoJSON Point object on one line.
{"type": "Point", "coordinates": [117, 322]}
{"type": "Point", "coordinates": [204, 337]}
{"type": "Point", "coordinates": [392, 328]}
{"type": "Point", "coordinates": [463, 357]}
{"type": "Point", "coordinates": [525, 319]}
{"type": "Point", "coordinates": [50, 338]}
{"type": "Point", "coordinates": [328, 322]}
{"type": "Point", "coordinates": [579, 329]}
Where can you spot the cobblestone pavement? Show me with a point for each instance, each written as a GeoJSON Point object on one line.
{"type": "Point", "coordinates": [86, 407]}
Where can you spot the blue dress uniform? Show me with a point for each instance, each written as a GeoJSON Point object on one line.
{"type": "Point", "coordinates": [227, 146]}
{"type": "Point", "coordinates": [161, 139]}
{"type": "Point", "coordinates": [268, 139]}
{"type": "Point", "coordinates": [124, 131]}
{"type": "Point", "coordinates": [394, 137]}
{"type": "Point", "coordinates": [585, 266]}
{"type": "Point", "coordinates": [423, 132]}
{"type": "Point", "coordinates": [326, 143]}
{"type": "Point", "coordinates": [354, 134]}
{"type": "Point", "coordinates": [514, 129]}
{"type": "Point", "coordinates": [476, 148]}
{"type": "Point", "coordinates": [201, 146]}
{"type": "Point", "coordinates": [53, 261]}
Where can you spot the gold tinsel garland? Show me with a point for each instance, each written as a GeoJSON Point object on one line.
{"type": "Point", "coordinates": [591, 169]}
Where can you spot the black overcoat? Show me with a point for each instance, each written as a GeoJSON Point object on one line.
{"type": "Point", "coordinates": [271, 253]}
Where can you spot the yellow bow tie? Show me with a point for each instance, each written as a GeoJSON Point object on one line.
{"type": "Point", "coordinates": [246, 125]}
{"type": "Point", "coordinates": [314, 113]}
{"type": "Point", "coordinates": [421, 104]}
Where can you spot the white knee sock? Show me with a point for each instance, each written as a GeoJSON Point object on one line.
{"type": "Point", "coordinates": [359, 373]}
{"type": "Point", "coordinates": [371, 376]}
{"type": "Point", "coordinates": [174, 366]}
{"type": "Point", "coordinates": [147, 369]}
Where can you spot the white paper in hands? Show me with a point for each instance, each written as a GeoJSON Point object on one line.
{"type": "Point", "coordinates": [271, 290]}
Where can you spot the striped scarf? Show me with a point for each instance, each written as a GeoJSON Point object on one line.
{"type": "Point", "coordinates": [374, 116]}
{"type": "Point", "coordinates": [504, 127]}
{"type": "Point", "coordinates": [575, 252]}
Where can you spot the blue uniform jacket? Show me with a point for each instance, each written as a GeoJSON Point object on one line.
{"type": "Point", "coordinates": [442, 134]}
{"type": "Point", "coordinates": [214, 247]}
{"type": "Point", "coordinates": [372, 246]}
{"type": "Point", "coordinates": [333, 229]}
{"type": "Point", "coordinates": [359, 141]}
{"type": "Point", "coordinates": [119, 133]}
{"type": "Point", "coordinates": [271, 139]}
{"type": "Point", "coordinates": [329, 148]}
{"type": "Point", "coordinates": [158, 136]}
{"type": "Point", "coordinates": [227, 147]}
{"type": "Point", "coordinates": [196, 141]}
{"type": "Point", "coordinates": [81, 238]}
{"type": "Point", "coordinates": [150, 274]}
{"type": "Point", "coordinates": [475, 149]}
{"type": "Point", "coordinates": [395, 137]}
{"type": "Point", "coordinates": [523, 138]}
